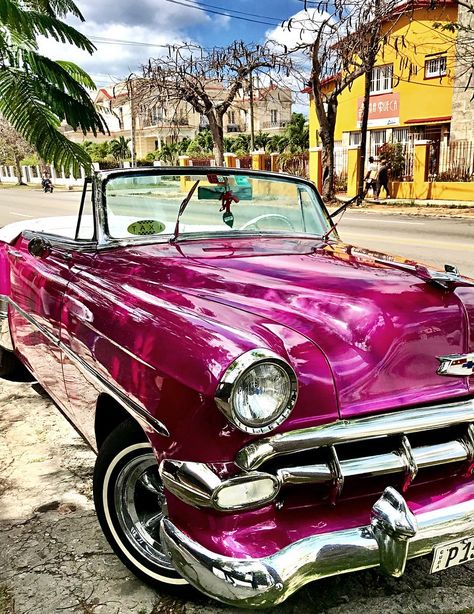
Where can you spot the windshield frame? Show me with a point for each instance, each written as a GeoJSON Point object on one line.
{"type": "Point", "coordinates": [103, 177]}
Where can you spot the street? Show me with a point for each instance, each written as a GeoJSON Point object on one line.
{"type": "Point", "coordinates": [427, 239]}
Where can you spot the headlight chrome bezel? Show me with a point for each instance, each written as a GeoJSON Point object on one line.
{"type": "Point", "coordinates": [234, 374]}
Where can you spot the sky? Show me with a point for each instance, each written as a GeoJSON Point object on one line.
{"type": "Point", "coordinates": [129, 32]}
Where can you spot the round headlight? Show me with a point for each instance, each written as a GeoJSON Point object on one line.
{"type": "Point", "coordinates": [261, 394]}
{"type": "Point", "coordinates": [258, 391]}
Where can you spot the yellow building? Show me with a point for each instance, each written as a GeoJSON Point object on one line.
{"type": "Point", "coordinates": [410, 100]}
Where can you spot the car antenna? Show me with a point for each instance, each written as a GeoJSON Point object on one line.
{"type": "Point", "coordinates": [341, 209]}
{"type": "Point", "coordinates": [182, 209]}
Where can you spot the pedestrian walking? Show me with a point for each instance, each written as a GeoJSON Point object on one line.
{"type": "Point", "coordinates": [382, 178]}
{"type": "Point", "coordinates": [371, 177]}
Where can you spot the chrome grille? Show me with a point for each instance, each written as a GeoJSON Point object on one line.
{"type": "Point", "coordinates": [403, 443]}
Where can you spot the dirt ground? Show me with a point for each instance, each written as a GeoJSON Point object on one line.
{"type": "Point", "coordinates": [53, 558]}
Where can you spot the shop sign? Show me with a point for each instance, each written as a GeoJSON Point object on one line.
{"type": "Point", "coordinates": [384, 110]}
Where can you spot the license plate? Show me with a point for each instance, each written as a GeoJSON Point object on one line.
{"type": "Point", "coordinates": [452, 554]}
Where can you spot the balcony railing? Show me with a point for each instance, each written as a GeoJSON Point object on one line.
{"type": "Point", "coordinates": [164, 122]}
{"type": "Point", "coordinates": [283, 123]}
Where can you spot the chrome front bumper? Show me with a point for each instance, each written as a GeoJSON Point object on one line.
{"type": "Point", "coordinates": [394, 535]}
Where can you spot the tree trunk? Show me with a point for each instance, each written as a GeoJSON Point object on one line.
{"type": "Point", "coordinates": [327, 154]}
{"type": "Point", "coordinates": [217, 130]}
{"type": "Point", "coordinates": [363, 137]}
{"type": "Point", "coordinates": [18, 171]}
{"type": "Point", "coordinates": [327, 163]}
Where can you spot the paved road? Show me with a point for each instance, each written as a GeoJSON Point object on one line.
{"type": "Point", "coordinates": [432, 240]}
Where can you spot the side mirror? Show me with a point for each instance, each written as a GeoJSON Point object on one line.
{"type": "Point", "coordinates": [39, 248]}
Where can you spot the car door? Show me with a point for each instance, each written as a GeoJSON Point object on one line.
{"type": "Point", "coordinates": [40, 271]}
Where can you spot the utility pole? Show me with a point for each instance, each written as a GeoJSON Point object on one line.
{"type": "Point", "coordinates": [369, 57]}
{"type": "Point", "coordinates": [252, 124]}
{"type": "Point", "coordinates": [133, 135]}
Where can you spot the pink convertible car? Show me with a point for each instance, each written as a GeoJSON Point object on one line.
{"type": "Point", "coordinates": [269, 405]}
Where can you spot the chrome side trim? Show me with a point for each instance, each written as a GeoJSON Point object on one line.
{"type": "Point", "coordinates": [360, 429]}
{"type": "Point", "coordinates": [197, 485]}
{"type": "Point", "coordinates": [231, 377]}
{"type": "Point", "coordinates": [138, 412]}
{"type": "Point", "coordinates": [6, 341]}
{"type": "Point", "coordinates": [393, 535]}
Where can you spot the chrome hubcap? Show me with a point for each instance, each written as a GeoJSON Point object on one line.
{"type": "Point", "coordinates": [139, 502]}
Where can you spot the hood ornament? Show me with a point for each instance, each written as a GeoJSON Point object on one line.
{"type": "Point", "coordinates": [461, 365]}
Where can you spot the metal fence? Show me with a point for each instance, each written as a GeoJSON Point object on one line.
{"type": "Point", "coordinates": [295, 164]}
{"type": "Point", "coordinates": [402, 164]}
{"type": "Point", "coordinates": [202, 162]}
{"type": "Point", "coordinates": [244, 162]}
{"type": "Point", "coordinates": [451, 162]}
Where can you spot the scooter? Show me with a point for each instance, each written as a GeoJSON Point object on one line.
{"type": "Point", "coordinates": [47, 186]}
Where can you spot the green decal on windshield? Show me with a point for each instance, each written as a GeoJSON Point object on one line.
{"type": "Point", "coordinates": [146, 227]}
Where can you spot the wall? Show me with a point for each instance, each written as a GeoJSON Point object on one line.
{"type": "Point", "coordinates": [419, 188]}
{"type": "Point", "coordinates": [58, 179]}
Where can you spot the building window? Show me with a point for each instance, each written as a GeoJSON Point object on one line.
{"type": "Point", "coordinates": [435, 67]}
{"type": "Point", "coordinates": [354, 138]}
{"type": "Point", "coordinates": [382, 79]}
{"type": "Point", "coordinates": [400, 135]}
{"type": "Point", "coordinates": [231, 117]}
{"type": "Point", "coordinates": [377, 139]}
{"type": "Point", "coordinates": [273, 117]}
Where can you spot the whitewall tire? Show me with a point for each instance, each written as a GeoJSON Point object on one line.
{"type": "Point", "coordinates": [129, 501]}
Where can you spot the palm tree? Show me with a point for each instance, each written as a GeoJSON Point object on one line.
{"type": "Point", "coordinates": [36, 93]}
{"type": "Point", "coordinates": [297, 133]}
{"type": "Point", "coordinates": [119, 148]}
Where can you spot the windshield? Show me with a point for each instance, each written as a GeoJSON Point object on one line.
{"type": "Point", "coordinates": [149, 204]}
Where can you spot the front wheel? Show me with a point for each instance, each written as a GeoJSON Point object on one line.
{"type": "Point", "coordinates": [129, 501]}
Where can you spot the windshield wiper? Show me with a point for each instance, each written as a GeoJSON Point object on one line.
{"type": "Point", "coordinates": [182, 209]}
{"type": "Point", "coordinates": [341, 209]}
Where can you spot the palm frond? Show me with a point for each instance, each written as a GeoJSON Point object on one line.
{"type": "Point", "coordinates": [30, 23]}
{"type": "Point", "coordinates": [58, 74]}
{"type": "Point", "coordinates": [38, 124]}
{"type": "Point", "coordinates": [50, 27]}
{"type": "Point", "coordinates": [60, 8]}
{"type": "Point", "coordinates": [77, 73]}
{"type": "Point", "coordinates": [15, 19]}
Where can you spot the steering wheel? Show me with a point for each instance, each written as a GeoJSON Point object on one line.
{"type": "Point", "coordinates": [254, 221]}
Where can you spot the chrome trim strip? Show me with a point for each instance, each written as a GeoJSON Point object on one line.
{"type": "Point", "coordinates": [6, 341]}
{"type": "Point", "coordinates": [360, 429]}
{"type": "Point", "coordinates": [377, 465]}
{"type": "Point", "coordinates": [138, 412]}
{"type": "Point", "coordinates": [393, 535]}
{"type": "Point", "coordinates": [197, 485]}
{"type": "Point", "coordinates": [236, 370]}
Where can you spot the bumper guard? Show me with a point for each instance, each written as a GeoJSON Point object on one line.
{"type": "Point", "coordinates": [393, 536]}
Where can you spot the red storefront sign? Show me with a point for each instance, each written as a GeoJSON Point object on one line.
{"type": "Point", "coordinates": [384, 110]}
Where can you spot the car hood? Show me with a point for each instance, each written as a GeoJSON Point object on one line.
{"type": "Point", "coordinates": [381, 328]}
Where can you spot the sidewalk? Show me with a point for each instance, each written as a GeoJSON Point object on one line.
{"type": "Point", "coordinates": [36, 187]}
{"type": "Point", "coordinates": [434, 208]}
